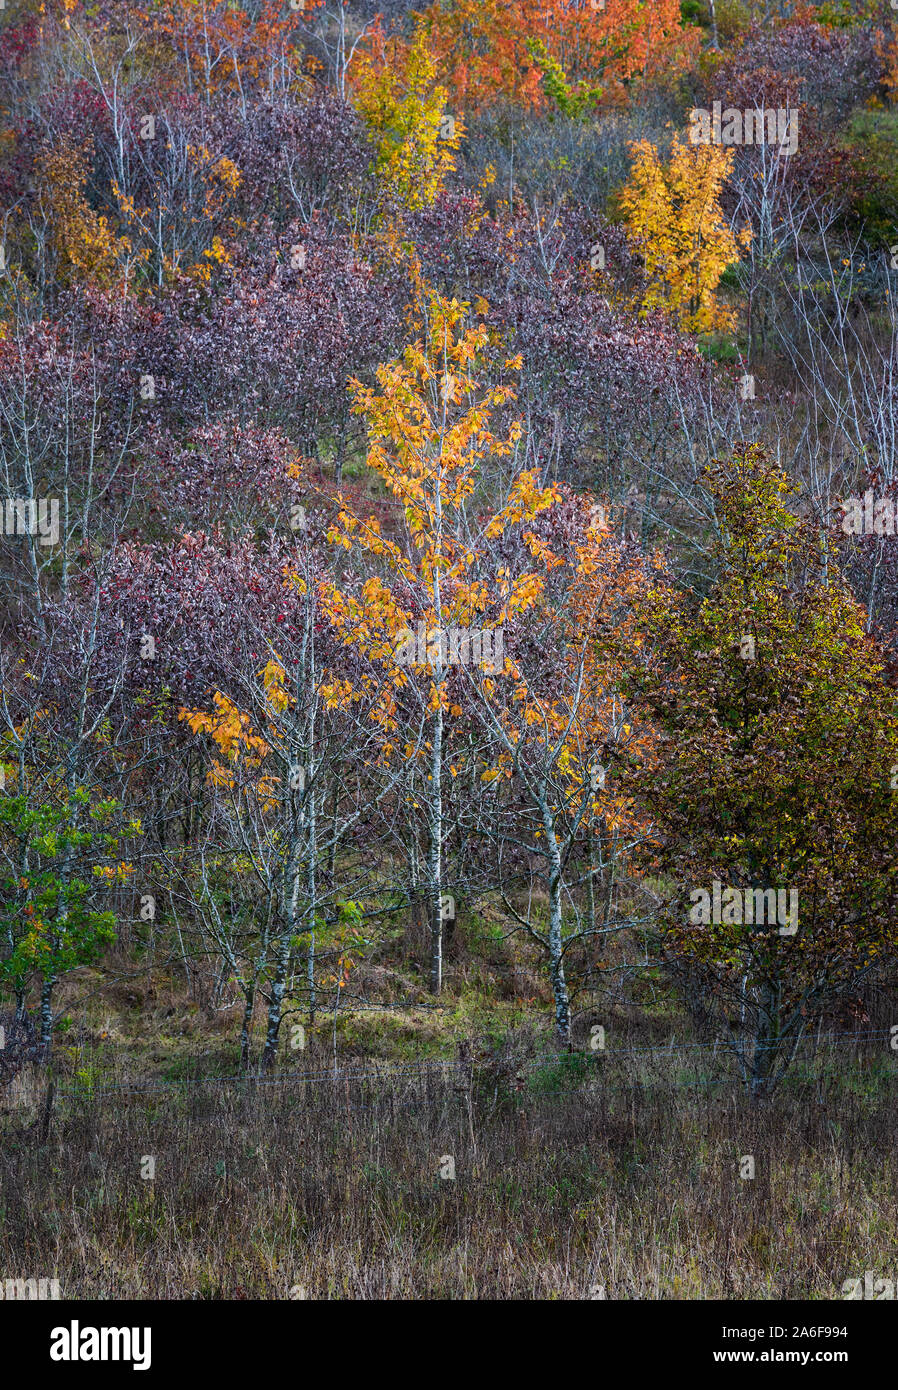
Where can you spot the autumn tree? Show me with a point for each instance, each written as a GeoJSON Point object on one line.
{"type": "Point", "coordinates": [563, 744]}
{"type": "Point", "coordinates": [430, 440]}
{"type": "Point", "coordinates": [485, 46]}
{"type": "Point", "coordinates": [85, 246]}
{"type": "Point", "coordinates": [229, 641]}
{"type": "Point", "coordinates": [405, 109]}
{"type": "Point", "coordinates": [244, 49]}
{"type": "Point", "coordinates": [773, 804]}
{"type": "Point", "coordinates": [675, 217]}
{"type": "Point", "coordinates": [605, 395]}
{"type": "Point", "coordinates": [286, 795]}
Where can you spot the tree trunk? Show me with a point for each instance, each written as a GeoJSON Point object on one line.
{"type": "Point", "coordinates": [434, 858]}
{"type": "Point", "coordinates": [556, 962]}
{"type": "Point", "coordinates": [246, 1027]}
{"type": "Point", "coordinates": [556, 940]}
{"type": "Point", "coordinates": [47, 1013]}
{"type": "Point", "coordinates": [767, 1041]}
{"type": "Point", "coordinates": [276, 1003]}
{"type": "Point", "coordinates": [310, 976]}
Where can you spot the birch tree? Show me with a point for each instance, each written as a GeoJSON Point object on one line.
{"type": "Point", "coordinates": [429, 439]}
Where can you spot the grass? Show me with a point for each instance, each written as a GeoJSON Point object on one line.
{"type": "Point", "coordinates": [569, 1182]}
{"type": "Point", "coordinates": [573, 1171]}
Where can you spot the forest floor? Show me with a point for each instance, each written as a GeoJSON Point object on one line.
{"type": "Point", "coordinates": [451, 1152]}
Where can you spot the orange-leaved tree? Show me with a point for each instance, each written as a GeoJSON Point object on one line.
{"type": "Point", "coordinates": [565, 742]}
{"type": "Point", "coordinates": [283, 795]}
{"type": "Point", "coordinates": [482, 45]}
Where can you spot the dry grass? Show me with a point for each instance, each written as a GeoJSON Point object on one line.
{"type": "Point", "coordinates": [567, 1178]}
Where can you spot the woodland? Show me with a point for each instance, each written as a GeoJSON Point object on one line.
{"type": "Point", "coordinates": [448, 647]}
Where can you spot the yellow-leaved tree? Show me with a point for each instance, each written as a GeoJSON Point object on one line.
{"type": "Point", "coordinates": [405, 110]}
{"type": "Point", "coordinates": [675, 217]}
{"type": "Point", "coordinates": [438, 603]}
{"type": "Point", "coordinates": [86, 248]}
